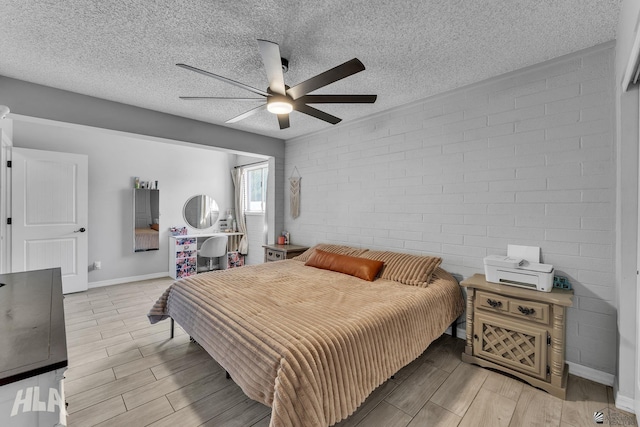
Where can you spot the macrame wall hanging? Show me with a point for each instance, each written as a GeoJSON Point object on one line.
{"type": "Point", "coordinates": [294, 193]}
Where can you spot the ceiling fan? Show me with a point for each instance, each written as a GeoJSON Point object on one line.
{"type": "Point", "coordinates": [282, 99]}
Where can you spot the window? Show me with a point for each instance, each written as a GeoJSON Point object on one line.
{"type": "Point", "coordinates": [255, 189]}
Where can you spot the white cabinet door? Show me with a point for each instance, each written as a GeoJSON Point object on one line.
{"type": "Point", "coordinates": [49, 206]}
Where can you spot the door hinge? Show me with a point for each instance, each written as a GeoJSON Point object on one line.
{"type": "Point", "coordinates": [8, 221]}
{"type": "Point", "coordinates": [548, 370]}
{"type": "Point", "coordinates": [8, 163]}
{"type": "Point", "coordinates": [548, 339]}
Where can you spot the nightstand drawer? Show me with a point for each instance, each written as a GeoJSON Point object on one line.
{"type": "Point", "coordinates": [492, 301]}
{"type": "Point", "coordinates": [534, 311]}
{"type": "Point", "coordinates": [280, 252]}
{"type": "Point", "coordinates": [272, 255]}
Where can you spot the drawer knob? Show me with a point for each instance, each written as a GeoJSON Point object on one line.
{"type": "Point", "coordinates": [493, 303]}
{"type": "Point", "coordinates": [278, 255]}
{"type": "Point", "coordinates": [526, 311]}
{"type": "Point", "coordinates": [475, 336]}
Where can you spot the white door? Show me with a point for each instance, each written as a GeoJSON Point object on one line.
{"type": "Point", "coordinates": [636, 397]}
{"type": "Point", "coordinates": [636, 392]}
{"type": "Point", "coordinates": [5, 202]}
{"type": "Point", "coordinates": [49, 204]}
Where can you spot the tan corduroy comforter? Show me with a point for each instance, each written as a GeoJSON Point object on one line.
{"type": "Point", "coordinates": [312, 344]}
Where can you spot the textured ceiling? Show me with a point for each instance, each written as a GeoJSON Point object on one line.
{"type": "Point", "coordinates": [126, 51]}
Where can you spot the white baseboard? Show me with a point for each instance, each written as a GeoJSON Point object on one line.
{"type": "Point", "coordinates": [625, 403]}
{"type": "Point", "coordinates": [121, 280]}
{"type": "Point", "coordinates": [591, 374]}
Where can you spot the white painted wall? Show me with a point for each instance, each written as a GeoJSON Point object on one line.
{"type": "Point", "coordinates": [627, 137]}
{"type": "Point", "coordinates": [6, 125]}
{"type": "Point", "coordinates": [525, 158]}
{"type": "Point", "coordinates": [33, 100]}
{"type": "Point", "coordinates": [114, 159]}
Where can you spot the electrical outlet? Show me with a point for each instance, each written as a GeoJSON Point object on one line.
{"type": "Point", "coordinates": [97, 265]}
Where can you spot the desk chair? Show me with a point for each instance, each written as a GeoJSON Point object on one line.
{"type": "Point", "coordinates": [213, 247]}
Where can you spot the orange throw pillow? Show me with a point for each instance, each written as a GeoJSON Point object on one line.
{"type": "Point", "coordinates": [366, 269]}
{"type": "Point", "coordinates": [328, 247]}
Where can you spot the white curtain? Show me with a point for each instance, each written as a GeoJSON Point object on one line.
{"type": "Point", "coordinates": [238, 182]}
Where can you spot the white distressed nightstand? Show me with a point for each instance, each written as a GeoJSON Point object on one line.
{"type": "Point", "coordinates": [518, 331]}
{"type": "Point", "coordinates": [280, 252]}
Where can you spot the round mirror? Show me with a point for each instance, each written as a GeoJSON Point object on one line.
{"type": "Point", "coordinates": [201, 211]}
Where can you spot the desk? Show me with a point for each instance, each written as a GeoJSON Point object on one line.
{"type": "Point", "coordinates": [183, 253]}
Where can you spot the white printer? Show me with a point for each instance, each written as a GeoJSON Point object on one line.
{"type": "Point", "coordinates": [521, 267]}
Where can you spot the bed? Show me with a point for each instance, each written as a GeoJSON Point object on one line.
{"type": "Point", "coordinates": [147, 239]}
{"type": "Point", "coordinates": [313, 342]}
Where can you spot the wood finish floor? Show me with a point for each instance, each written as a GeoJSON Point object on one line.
{"type": "Point", "coordinates": [125, 372]}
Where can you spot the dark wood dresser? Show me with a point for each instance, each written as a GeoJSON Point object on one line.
{"type": "Point", "coordinates": [33, 349]}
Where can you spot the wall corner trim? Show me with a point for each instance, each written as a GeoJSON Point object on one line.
{"type": "Point", "coordinates": [625, 403]}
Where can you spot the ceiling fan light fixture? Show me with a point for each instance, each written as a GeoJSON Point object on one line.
{"type": "Point", "coordinates": [279, 105]}
{"type": "Point", "coordinates": [282, 99]}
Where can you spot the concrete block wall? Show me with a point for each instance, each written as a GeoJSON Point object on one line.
{"type": "Point", "coordinates": [525, 158]}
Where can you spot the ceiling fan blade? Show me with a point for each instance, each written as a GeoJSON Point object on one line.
{"type": "Point", "coordinates": [247, 114]}
{"type": "Point", "coordinates": [283, 121]}
{"type": "Point", "coordinates": [323, 79]}
{"type": "Point", "coordinates": [193, 98]}
{"type": "Point", "coordinates": [270, 53]}
{"type": "Point", "coordinates": [224, 79]}
{"type": "Point", "coordinates": [338, 99]}
{"type": "Point", "coordinates": [313, 112]}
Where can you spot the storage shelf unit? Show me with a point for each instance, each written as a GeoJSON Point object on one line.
{"type": "Point", "coordinates": [518, 331]}
{"type": "Point", "coordinates": [183, 253]}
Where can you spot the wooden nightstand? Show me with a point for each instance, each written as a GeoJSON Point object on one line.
{"type": "Point", "coordinates": [518, 331]}
{"type": "Point", "coordinates": [280, 252]}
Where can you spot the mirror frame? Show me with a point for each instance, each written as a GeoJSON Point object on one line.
{"type": "Point", "coordinates": [209, 212]}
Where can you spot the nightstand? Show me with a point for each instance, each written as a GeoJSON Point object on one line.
{"type": "Point", "coordinates": [280, 252]}
{"type": "Point", "coordinates": [518, 331]}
